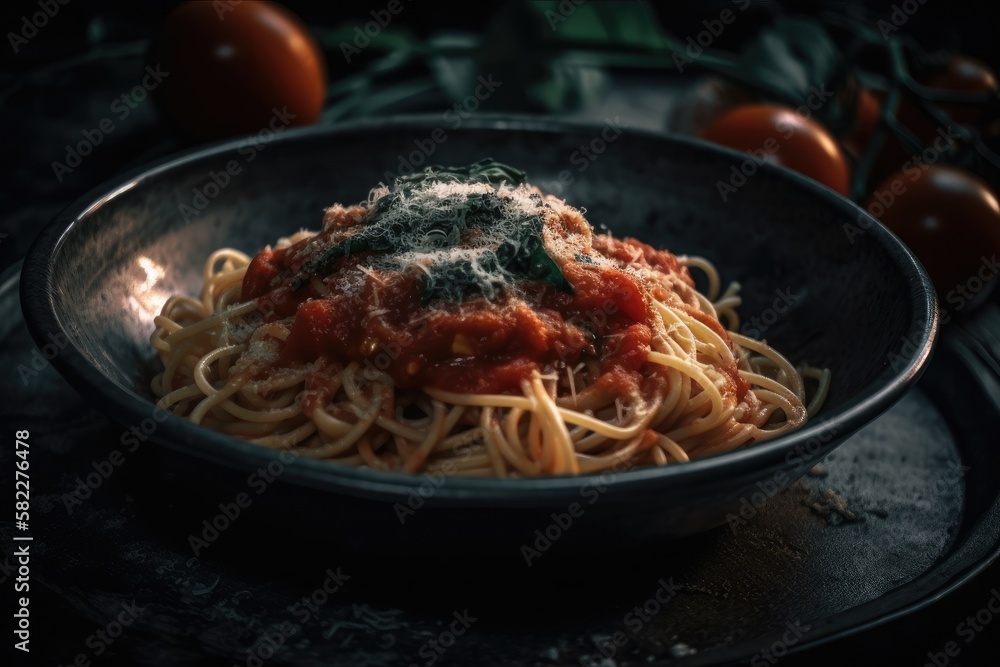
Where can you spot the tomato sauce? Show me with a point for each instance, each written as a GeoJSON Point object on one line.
{"type": "Point", "coordinates": [480, 345]}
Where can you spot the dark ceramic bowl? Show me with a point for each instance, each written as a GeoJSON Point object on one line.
{"type": "Point", "coordinates": [857, 303]}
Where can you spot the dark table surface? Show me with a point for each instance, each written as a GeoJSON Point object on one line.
{"type": "Point", "coordinates": [38, 123]}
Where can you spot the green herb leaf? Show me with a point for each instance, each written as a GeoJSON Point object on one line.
{"type": "Point", "coordinates": [404, 220]}
{"type": "Point", "coordinates": [485, 171]}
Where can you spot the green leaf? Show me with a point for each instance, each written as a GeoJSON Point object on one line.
{"type": "Point", "coordinates": [791, 57]}
{"type": "Point", "coordinates": [533, 49]}
{"type": "Point", "coordinates": [395, 225]}
{"type": "Point", "coordinates": [485, 171]}
{"type": "Point", "coordinates": [542, 267]}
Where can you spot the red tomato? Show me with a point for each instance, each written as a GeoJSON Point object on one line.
{"type": "Point", "coordinates": [231, 65]}
{"type": "Point", "coordinates": [784, 137]}
{"type": "Point", "coordinates": [893, 155]}
{"type": "Point", "coordinates": [866, 114]}
{"type": "Point", "coordinates": [947, 216]}
{"type": "Point", "coordinates": [707, 101]}
{"type": "Point", "coordinates": [962, 73]}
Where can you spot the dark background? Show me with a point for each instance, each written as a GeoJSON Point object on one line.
{"type": "Point", "coordinates": [45, 112]}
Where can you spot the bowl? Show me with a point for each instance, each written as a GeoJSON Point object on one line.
{"type": "Point", "coordinates": [822, 281]}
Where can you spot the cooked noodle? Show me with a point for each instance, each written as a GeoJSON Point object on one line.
{"type": "Point", "coordinates": [224, 368]}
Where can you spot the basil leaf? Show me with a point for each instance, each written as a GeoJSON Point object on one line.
{"type": "Point", "coordinates": [397, 224]}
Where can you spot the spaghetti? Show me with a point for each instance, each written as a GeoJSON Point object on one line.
{"type": "Point", "coordinates": [460, 320]}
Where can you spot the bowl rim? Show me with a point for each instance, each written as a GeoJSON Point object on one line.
{"type": "Point", "coordinates": [181, 436]}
